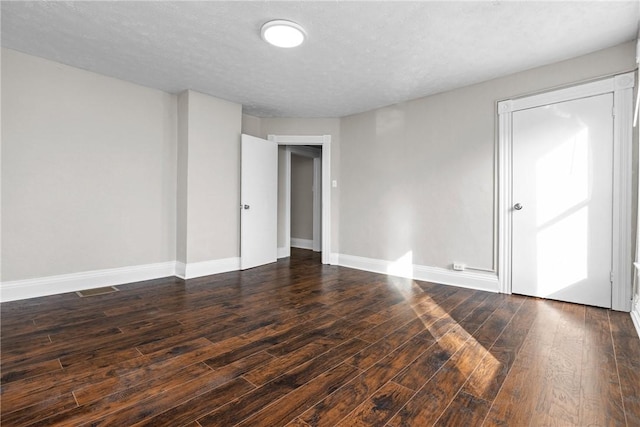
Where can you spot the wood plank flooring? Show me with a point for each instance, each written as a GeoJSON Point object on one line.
{"type": "Point", "coordinates": [300, 344]}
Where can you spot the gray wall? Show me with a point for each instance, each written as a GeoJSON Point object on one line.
{"type": "Point", "coordinates": [209, 172]}
{"type": "Point", "coordinates": [88, 170]}
{"type": "Point", "coordinates": [251, 125]}
{"type": "Point", "coordinates": [98, 173]}
{"type": "Point", "coordinates": [301, 197]}
{"type": "Point", "coordinates": [418, 177]}
{"type": "Point", "coordinates": [182, 173]}
{"type": "Point", "coordinates": [282, 197]}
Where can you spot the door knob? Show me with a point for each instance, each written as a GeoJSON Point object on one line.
{"type": "Point", "coordinates": [246, 206]}
{"type": "Point", "coordinates": [517, 206]}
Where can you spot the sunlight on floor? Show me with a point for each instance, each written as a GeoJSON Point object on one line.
{"type": "Point", "coordinates": [448, 333]}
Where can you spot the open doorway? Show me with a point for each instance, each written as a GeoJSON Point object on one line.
{"type": "Point", "coordinates": [317, 150]}
{"type": "Point", "coordinates": [305, 197]}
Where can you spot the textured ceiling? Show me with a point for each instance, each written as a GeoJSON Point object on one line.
{"type": "Point", "coordinates": [358, 55]}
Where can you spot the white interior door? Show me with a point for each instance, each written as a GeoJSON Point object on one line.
{"type": "Point", "coordinates": [259, 202]}
{"type": "Point", "coordinates": [563, 198]}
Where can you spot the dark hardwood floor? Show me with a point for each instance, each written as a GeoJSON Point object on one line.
{"type": "Point", "coordinates": [300, 344]}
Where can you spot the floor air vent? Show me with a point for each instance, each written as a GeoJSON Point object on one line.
{"type": "Point", "coordinates": [97, 291]}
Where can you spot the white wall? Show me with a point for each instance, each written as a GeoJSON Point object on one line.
{"type": "Point", "coordinates": [301, 197]}
{"type": "Point", "coordinates": [88, 171]}
{"type": "Point", "coordinates": [417, 178]}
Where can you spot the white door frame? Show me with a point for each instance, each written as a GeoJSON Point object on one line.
{"type": "Point", "coordinates": [325, 142]}
{"type": "Point", "coordinates": [316, 155]}
{"type": "Point", "coordinates": [622, 88]}
{"type": "Point", "coordinates": [317, 203]}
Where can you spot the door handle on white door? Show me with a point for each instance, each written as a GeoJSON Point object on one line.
{"type": "Point", "coordinates": [517, 206]}
{"type": "Point", "coordinates": [246, 206]}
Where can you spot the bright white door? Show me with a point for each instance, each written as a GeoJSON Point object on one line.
{"type": "Point", "coordinates": [563, 198]}
{"type": "Point", "coordinates": [259, 198]}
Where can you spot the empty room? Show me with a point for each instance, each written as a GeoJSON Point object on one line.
{"type": "Point", "coordinates": [319, 213]}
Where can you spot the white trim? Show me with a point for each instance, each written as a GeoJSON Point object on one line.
{"type": "Point", "coordinates": [287, 200]}
{"type": "Point", "coordinates": [484, 281]}
{"type": "Point", "coordinates": [181, 270]}
{"type": "Point", "coordinates": [622, 172]}
{"type": "Point", "coordinates": [298, 139]}
{"type": "Point", "coordinates": [622, 88]}
{"type": "Point", "coordinates": [325, 142]}
{"type": "Point", "coordinates": [504, 196]}
{"type": "Point", "coordinates": [635, 309]}
{"type": "Point", "coordinates": [207, 268]}
{"type": "Point", "coordinates": [334, 259]}
{"type": "Point", "coordinates": [326, 199]}
{"type": "Point", "coordinates": [317, 204]}
{"type": "Point", "coordinates": [561, 95]}
{"type": "Point", "coordinates": [301, 243]}
{"type": "Point", "coordinates": [635, 317]}
{"type": "Point", "coordinates": [51, 285]}
{"type": "Point", "coordinates": [284, 252]}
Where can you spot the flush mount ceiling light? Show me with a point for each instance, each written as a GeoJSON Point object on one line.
{"type": "Point", "coordinates": [283, 33]}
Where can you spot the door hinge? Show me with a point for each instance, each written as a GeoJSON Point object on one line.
{"type": "Point", "coordinates": [611, 276]}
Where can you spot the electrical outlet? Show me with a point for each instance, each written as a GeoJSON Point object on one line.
{"type": "Point", "coordinates": [458, 266]}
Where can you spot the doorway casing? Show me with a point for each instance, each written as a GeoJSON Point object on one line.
{"type": "Point", "coordinates": [622, 88]}
{"type": "Point", "coordinates": [325, 142]}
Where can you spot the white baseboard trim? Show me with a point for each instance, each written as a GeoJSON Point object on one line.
{"type": "Point", "coordinates": [301, 243]}
{"type": "Point", "coordinates": [635, 303]}
{"type": "Point", "coordinates": [635, 316]}
{"type": "Point", "coordinates": [181, 270]}
{"type": "Point", "coordinates": [284, 252]}
{"type": "Point", "coordinates": [334, 259]}
{"type": "Point", "coordinates": [207, 268]}
{"type": "Point", "coordinates": [43, 286]}
{"type": "Point", "coordinates": [464, 279]}
{"type": "Point", "coordinates": [51, 285]}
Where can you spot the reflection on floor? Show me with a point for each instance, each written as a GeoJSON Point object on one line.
{"type": "Point", "coordinates": [301, 344]}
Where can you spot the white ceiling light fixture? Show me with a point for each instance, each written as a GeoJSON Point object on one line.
{"type": "Point", "coordinates": [282, 33]}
